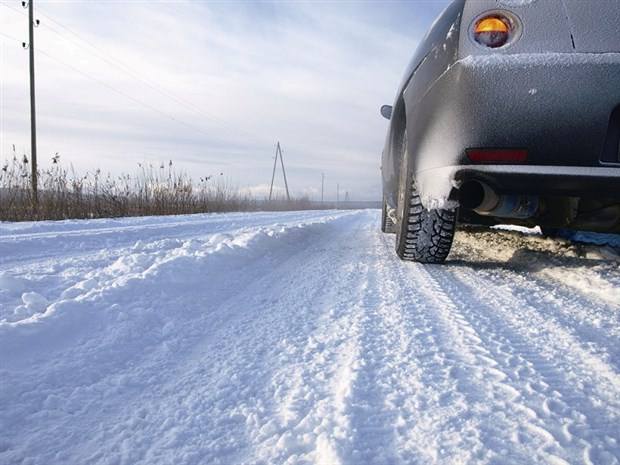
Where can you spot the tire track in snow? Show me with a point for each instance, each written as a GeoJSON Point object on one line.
{"type": "Point", "coordinates": [359, 389]}
{"type": "Point", "coordinates": [374, 403]}
{"type": "Point", "coordinates": [549, 338]}
{"type": "Point", "coordinates": [508, 428]}
{"type": "Point", "coordinates": [567, 419]}
{"type": "Point", "coordinates": [432, 422]}
{"type": "Point", "coordinates": [594, 324]}
{"type": "Point", "coordinates": [491, 407]}
{"type": "Point", "coordinates": [309, 423]}
{"type": "Point", "coordinates": [367, 387]}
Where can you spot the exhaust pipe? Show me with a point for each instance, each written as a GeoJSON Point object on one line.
{"type": "Point", "coordinates": [482, 199]}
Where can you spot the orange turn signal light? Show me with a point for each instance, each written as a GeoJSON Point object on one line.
{"type": "Point", "coordinates": [491, 25]}
{"type": "Point", "coordinates": [492, 31]}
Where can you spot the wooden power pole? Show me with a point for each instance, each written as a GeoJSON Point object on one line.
{"type": "Point", "coordinates": [33, 120]}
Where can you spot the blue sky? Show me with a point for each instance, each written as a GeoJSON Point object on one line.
{"type": "Point", "coordinates": [212, 86]}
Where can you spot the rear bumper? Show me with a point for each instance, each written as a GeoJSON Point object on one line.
{"type": "Point", "coordinates": [577, 181]}
{"type": "Point", "coordinates": [556, 106]}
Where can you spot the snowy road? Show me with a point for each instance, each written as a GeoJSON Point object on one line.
{"type": "Point", "coordinates": [289, 338]}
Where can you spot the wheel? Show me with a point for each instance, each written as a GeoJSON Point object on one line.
{"type": "Point", "coordinates": [422, 235]}
{"type": "Point", "coordinates": [387, 225]}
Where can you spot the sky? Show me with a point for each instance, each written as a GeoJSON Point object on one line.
{"type": "Point", "coordinates": [212, 86]}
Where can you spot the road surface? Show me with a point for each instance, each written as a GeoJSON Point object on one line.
{"type": "Point", "coordinates": [300, 338]}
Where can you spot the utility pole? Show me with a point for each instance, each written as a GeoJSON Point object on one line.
{"type": "Point", "coordinates": [279, 149]}
{"type": "Point", "coordinates": [273, 174]}
{"type": "Point", "coordinates": [322, 185]}
{"type": "Point", "coordinates": [338, 196]}
{"type": "Point", "coordinates": [33, 123]}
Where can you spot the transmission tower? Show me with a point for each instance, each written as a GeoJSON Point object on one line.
{"type": "Point", "coordinates": [273, 175]}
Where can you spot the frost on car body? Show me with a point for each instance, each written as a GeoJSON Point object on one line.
{"type": "Point", "coordinates": [510, 111]}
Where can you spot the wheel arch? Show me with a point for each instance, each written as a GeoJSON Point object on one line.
{"type": "Point", "coordinates": [398, 126]}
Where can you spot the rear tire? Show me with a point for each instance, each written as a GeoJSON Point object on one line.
{"type": "Point", "coordinates": [387, 225]}
{"type": "Point", "coordinates": [422, 235]}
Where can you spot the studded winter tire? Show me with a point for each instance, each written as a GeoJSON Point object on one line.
{"type": "Point", "coordinates": [422, 235]}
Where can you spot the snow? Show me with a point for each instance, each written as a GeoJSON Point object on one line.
{"type": "Point", "coordinates": [299, 337]}
{"type": "Point", "coordinates": [516, 2]}
{"type": "Point", "coordinates": [529, 60]}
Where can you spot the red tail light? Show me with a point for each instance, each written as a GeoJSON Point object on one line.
{"type": "Point", "coordinates": [497, 155]}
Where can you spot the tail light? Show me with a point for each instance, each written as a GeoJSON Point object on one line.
{"type": "Point", "coordinates": [494, 30]}
{"type": "Point", "coordinates": [497, 155]}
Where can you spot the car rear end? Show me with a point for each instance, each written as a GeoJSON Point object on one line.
{"type": "Point", "coordinates": [531, 105]}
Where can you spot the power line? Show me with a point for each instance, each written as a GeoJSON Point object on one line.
{"type": "Point", "coordinates": [116, 63]}
{"type": "Point", "coordinates": [120, 92]}
{"type": "Point", "coordinates": [127, 70]}
{"type": "Point", "coordinates": [80, 71]}
{"type": "Point", "coordinates": [10, 37]}
{"type": "Point", "coordinates": [17, 10]}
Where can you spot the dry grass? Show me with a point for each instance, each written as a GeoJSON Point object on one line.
{"type": "Point", "coordinates": [153, 190]}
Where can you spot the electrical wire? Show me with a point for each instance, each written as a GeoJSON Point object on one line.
{"type": "Point", "coordinates": [17, 10]}
{"type": "Point", "coordinates": [10, 37]}
{"type": "Point", "coordinates": [124, 94]}
{"type": "Point", "coordinates": [127, 70]}
{"type": "Point", "coordinates": [116, 63]}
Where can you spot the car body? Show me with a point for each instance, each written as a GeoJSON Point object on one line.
{"type": "Point", "coordinates": [527, 132]}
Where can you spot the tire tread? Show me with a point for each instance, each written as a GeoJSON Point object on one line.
{"type": "Point", "coordinates": [428, 233]}
{"type": "Point", "coordinates": [387, 225]}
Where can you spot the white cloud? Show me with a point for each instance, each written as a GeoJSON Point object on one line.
{"type": "Point", "coordinates": [310, 75]}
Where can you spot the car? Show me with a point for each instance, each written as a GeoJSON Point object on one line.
{"type": "Point", "coordinates": [508, 113]}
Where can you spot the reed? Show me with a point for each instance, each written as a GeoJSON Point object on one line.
{"type": "Point", "coordinates": [159, 189]}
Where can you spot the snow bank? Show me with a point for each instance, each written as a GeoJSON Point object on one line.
{"type": "Point", "coordinates": [142, 269]}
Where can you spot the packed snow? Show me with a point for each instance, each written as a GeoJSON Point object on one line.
{"type": "Point", "coordinates": [300, 338]}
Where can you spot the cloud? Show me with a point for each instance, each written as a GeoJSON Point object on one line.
{"type": "Point", "coordinates": [218, 84]}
